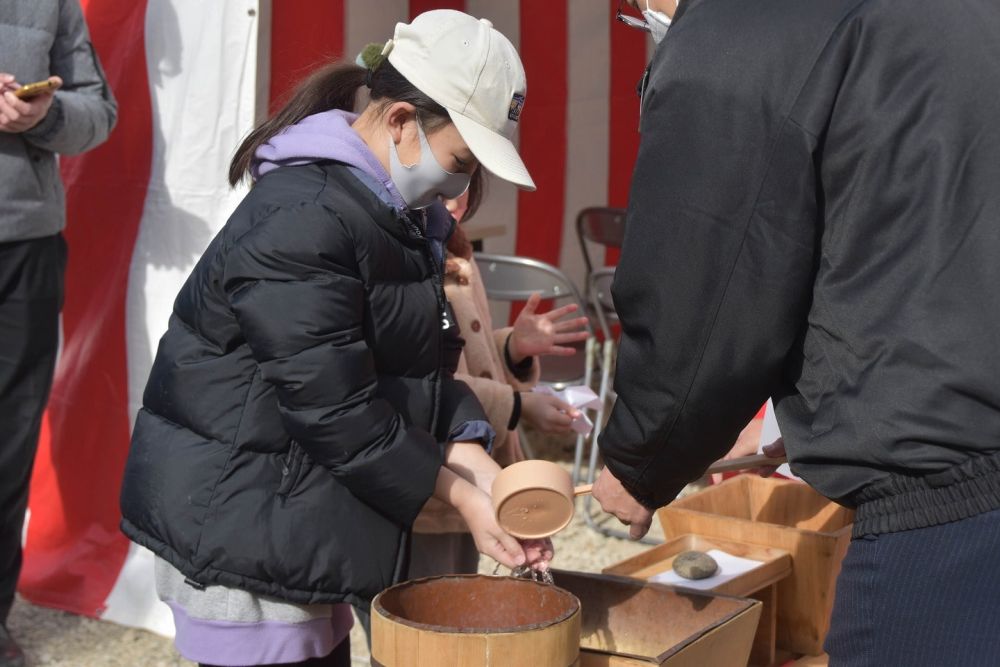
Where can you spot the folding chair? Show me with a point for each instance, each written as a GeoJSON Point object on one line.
{"type": "Point", "coordinates": [511, 279]}
{"type": "Point", "coordinates": [599, 289]}
{"type": "Point", "coordinates": [602, 225]}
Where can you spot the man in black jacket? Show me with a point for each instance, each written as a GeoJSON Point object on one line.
{"type": "Point", "coordinates": [815, 216]}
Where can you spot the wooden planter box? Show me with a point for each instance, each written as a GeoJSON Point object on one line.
{"type": "Point", "coordinates": [785, 515]}
{"type": "Point", "coordinates": [629, 623]}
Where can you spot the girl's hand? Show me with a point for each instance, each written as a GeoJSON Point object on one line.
{"type": "Point", "coordinates": [538, 553]}
{"type": "Point", "coordinates": [476, 508]}
{"type": "Point", "coordinates": [535, 335]}
{"type": "Point", "coordinates": [490, 538]}
{"type": "Point", "coordinates": [547, 413]}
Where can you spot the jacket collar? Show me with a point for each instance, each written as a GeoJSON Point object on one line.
{"type": "Point", "coordinates": [405, 226]}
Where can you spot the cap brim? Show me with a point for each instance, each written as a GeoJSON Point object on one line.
{"type": "Point", "coordinates": [493, 150]}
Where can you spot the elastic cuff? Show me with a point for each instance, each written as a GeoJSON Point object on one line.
{"type": "Point", "coordinates": [522, 370]}
{"type": "Point", "coordinates": [474, 430]}
{"type": "Point", "coordinates": [515, 413]}
{"type": "Point", "coordinates": [47, 128]}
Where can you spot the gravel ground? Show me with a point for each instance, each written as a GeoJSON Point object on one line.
{"type": "Point", "coordinates": [56, 639]}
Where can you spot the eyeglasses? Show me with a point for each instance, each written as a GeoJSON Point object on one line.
{"type": "Point", "coordinates": [630, 21]}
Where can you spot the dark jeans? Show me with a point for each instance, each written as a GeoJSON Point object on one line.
{"type": "Point", "coordinates": [31, 293]}
{"type": "Point", "coordinates": [341, 657]}
{"type": "Point", "coordinates": [927, 597]}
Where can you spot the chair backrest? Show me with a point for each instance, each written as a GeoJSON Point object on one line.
{"type": "Point", "coordinates": [600, 224]}
{"type": "Point", "coordinates": [509, 278]}
{"type": "Point", "coordinates": [600, 282]}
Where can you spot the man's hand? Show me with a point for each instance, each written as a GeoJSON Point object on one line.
{"type": "Point", "coordinates": [775, 450]}
{"type": "Point", "coordinates": [17, 115]}
{"type": "Point", "coordinates": [614, 499]}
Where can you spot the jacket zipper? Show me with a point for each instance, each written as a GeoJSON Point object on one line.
{"type": "Point", "coordinates": [442, 314]}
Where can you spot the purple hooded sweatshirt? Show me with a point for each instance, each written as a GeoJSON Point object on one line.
{"type": "Point", "coordinates": [324, 136]}
{"type": "Point", "coordinates": [328, 136]}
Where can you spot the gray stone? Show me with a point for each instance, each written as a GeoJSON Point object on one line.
{"type": "Point", "coordinates": [695, 565]}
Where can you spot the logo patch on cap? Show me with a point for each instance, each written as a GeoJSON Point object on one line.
{"type": "Point", "coordinates": [516, 104]}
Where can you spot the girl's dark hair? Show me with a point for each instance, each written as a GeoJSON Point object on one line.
{"type": "Point", "coordinates": [477, 190]}
{"type": "Point", "coordinates": [334, 86]}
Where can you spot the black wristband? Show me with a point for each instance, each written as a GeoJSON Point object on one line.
{"type": "Point", "coordinates": [519, 370]}
{"type": "Point", "coordinates": [515, 413]}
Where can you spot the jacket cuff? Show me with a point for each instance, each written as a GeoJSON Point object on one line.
{"type": "Point", "coordinates": [471, 431]}
{"type": "Point", "coordinates": [47, 129]}
{"type": "Point", "coordinates": [519, 383]}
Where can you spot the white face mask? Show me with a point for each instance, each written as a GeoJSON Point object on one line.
{"type": "Point", "coordinates": [658, 23]}
{"type": "Point", "coordinates": [420, 184]}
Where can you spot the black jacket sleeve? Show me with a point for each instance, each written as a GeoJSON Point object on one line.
{"type": "Point", "coordinates": [300, 304]}
{"type": "Point", "coordinates": [714, 281]}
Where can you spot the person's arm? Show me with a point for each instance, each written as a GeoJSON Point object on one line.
{"type": "Point", "coordinates": [714, 281]}
{"type": "Point", "coordinates": [520, 376]}
{"type": "Point", "coordinates": [495, 396]}
{"type": "Point", "coordinates": [461, 415]}
{"type": "Point", "coordinates": [293, 284]}
{"type": "Point", "coordinates": [83, 111]}
{"type": "Point", "coordinates": [477, 510]}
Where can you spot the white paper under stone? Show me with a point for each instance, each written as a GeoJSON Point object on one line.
{"type": "Point", "coordinates": [730, 567]}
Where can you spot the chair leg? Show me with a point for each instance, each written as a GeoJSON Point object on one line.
{"type": "Point", "coordinates": [590, 351]}
{"type": "Point", "coordinates": [526, 447]}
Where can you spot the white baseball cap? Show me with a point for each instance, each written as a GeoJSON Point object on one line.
{"type": "Point", "coordinates": [474, 72]}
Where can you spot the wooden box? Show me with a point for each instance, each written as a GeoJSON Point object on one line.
{"type": "Point", "coordinates": [786, 515]}
{"type": "Point", "coordinates": [629, 623]}
{"type": "Point", "coordinates": [775, 565]}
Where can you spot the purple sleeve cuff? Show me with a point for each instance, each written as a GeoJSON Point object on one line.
{"type": "Point", "coordinates": [474, 430]}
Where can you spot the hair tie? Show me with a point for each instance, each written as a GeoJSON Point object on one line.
{"type": "Point", "coordinates": [370, 58]}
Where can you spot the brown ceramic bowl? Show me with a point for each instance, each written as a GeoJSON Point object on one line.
{"type": "Point", "coordinates": [533, 499]}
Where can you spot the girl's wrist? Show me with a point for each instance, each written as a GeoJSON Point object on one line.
{"type": "Point", "coordinates": [516, 361]}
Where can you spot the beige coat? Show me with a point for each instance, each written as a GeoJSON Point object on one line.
{"type": "Point", "coordinates": [481, 367]}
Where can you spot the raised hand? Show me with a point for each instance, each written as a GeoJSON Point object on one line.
{"type": "Point", "coordinates": [541, 334]}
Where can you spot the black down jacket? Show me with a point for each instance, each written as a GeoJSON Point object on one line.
{"type": "Point", "coordinates": [815, 217]}
{"type": "Point", "coordinates": [290, 428]}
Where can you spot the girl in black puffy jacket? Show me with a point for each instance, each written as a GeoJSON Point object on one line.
{"type": "Point", "coordinates": [301, 408]}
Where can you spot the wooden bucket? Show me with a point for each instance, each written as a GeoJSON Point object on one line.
{"type": "Point", "coordinates": [475, 621]}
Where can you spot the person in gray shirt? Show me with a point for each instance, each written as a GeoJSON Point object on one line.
{"type": "Point", "coordinates": [42, 40]}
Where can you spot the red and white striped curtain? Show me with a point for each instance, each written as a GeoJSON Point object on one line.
{"type": "Point", "coordinates": [191, 77]}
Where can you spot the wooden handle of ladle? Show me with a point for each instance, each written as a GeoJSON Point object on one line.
{"type": "Point", "coordinates": [723, 465]}
{"type": "Point", "coordinates": [744, 462]}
